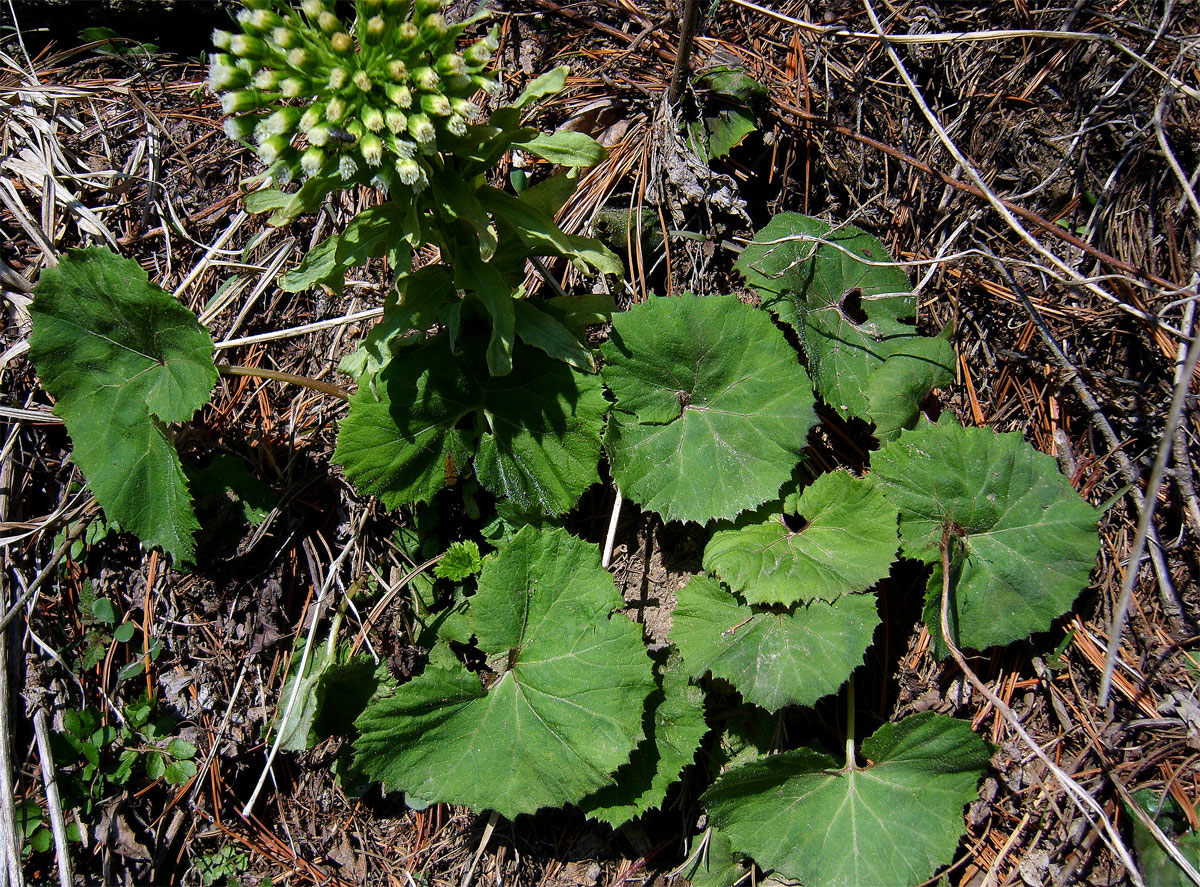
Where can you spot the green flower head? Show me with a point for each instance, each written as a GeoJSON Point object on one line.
{"type": "Point", "coordinates": [322, 96]}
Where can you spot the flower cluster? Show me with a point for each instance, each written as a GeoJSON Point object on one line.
{"type": "Point", "coordinates": [364, 100]}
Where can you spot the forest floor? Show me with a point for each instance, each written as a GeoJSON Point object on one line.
{"type": "Point", "coordinates": [1033, 163]}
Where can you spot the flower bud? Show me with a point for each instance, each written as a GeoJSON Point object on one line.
{"type": "Point", "coordinates": [220, 39]}
{"type": "Point", "coordinates": [338, 78]}
{"type": "Point", "coordinates": [421, 128]}
{"type": "Point", "coordinates": [283, 169]}
{"type": "Point", "coordinates": [376, 28]}
{"type": "Point", "coordinates": [247, 47]}
{"type": "Point", "coordinates": [299, 58]}
{"type": "Point", "coordinates": [400, 96]}
{"type": "Point", "coordinates": [464, 109]}
{"type": "Point", "coordinates": [407, 33]}
{"type": "Point", "coordinates": [435, 105]}
{"type": "Point", "coordinates": [456, 126]}
{"type": "Point", "coordinates": [372, 149]}
{"type": "Point", "coordinates": [397, 70]}
{"type": "Point", "coordinates": [312, 8]}
{"type": "Point", "coordinates": [363, 80]}
{"type": "Point", "coordinates": [451, 65]}
{"type": "Point", "coordinates": [224, 75]}
{"type": "Point", "coordinates": [293, 87]}
{"type": "Point", "coordinates": [241, 100]}
{"type": "Point", "coordinates": [488, 84]}
{"type": "Point", "coordinates": [395, 120]}
{"type": "Point", "coordinates": [284, 37]}
{"type": "Point", "coordinates": [270, 150]}
{"type": "Point", "coordinates": [328, 22]}
{"type": "Point", "coordinates": [313, 114]}
{"type": "Point", "coordinates": [426, 79]}
{"type": "Point", "coordinates": [341, 42]}
{"type": "Point", "coordinates": [408, 171]}
{"type": "Point", "coordinates": [433, 27]}
{"type": "Point", "coordinates": [240, 129]}
{"type": "Point", "coordinates": [319, 135]}
{"type": "Point", "coordinates": [267, 79]}
{"type": "Point", "coordinates": [335, 109]}
{"type": "Point", "coordinates": [460, 85]}
{"type": "Point", "coordinates": [372, 118]}
{"type": "Point", "coordinates": [479, 54]}
{"type": "Point", "coordinates": [283, 121]}
{"type": "Point", "coordinates": [259, 21]}
{"type": "Point", "coordinates": [346, 166]}
{"type": "Point", "coordinates": [426, 7]}
{"type": "Point", "coordinates": [312, 161]}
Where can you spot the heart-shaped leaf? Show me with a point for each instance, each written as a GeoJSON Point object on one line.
{"type": "Point", "coordinates": [892, 822]}
{"type": "Point", "coordinates": [123, 360]}
{"type": "Point", "coordinates": [1024, 542]}
{"type": "Point", "coordinates": [847, 543]}
{"type": "Point", "coordinates": [564, 697]}
{"type": "Point", "coordinates": [773, 658]}
{"type": "Point", "coordinates": [712, 407]}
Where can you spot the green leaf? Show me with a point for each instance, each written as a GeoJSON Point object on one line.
{"type": "Point", "coordinates": [1024, 541]}
{"type": "Point", "coordinates": [462, 560]}
{"type": "Point", "coordinates": [540, 233]}
{"type": "Point", "coordinates": [675, 724]}
{"type": "Point", "coordinates": [485, 282]}
{"type": "Point", "coordinates": [565, 148]}
{"type": "Point", "coordinates": [180, 772]}
{"type": "Point", "coordinates": [333, 691]}
{"type": "Point", "coordinates": [773, 658]}
{"type": "Point", "coordinates": [181, 749]}
{"type": "Point", "coordinates": [538, 328]}
{"type": "Point", "coordinates": [368, 235]}
{"type": "Point", "coordinates": [124, 632]}
{"type": "Point", "coordinates": [851, 316]}
{"type": "Point", "coordinates": [459, 199]}
{"type": "Point", "coordinates": [564, 706]}
{"type": "Point", "coordinates": [550, 83]}
{"type": "Point", "coordinates": [408, 311]}
{"type": "Point", "coordinates": [123, 359]}
{"type": "Point", "coordinates": [538, 429]}
{"type": "Point", "coordinates": [712, 407]}
{"type": "Point", "coordinates": [847, 544]}
{"type": "Point", "coordinates": [895, 821]}
{"type": "Point", "coordinates": [897, 388]}
{"type": "Point", "coordinates": [155, 765]}
{"type": "Point", "coordinates": [104, 610]}
{"type": "Point", "coordinates": [1158, 869]}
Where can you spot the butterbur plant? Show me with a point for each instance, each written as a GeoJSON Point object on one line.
{"type": "Point", "coordinates": [537, 691]}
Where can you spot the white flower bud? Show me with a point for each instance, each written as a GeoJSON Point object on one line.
{"type": "Point", "coordinates": [426, 79]}
{"type": "Point", "coordinates": [338, 78]}
{"type": "Point", "coordinates": [421, 128]}
{"type": "Point", "coordinates": [293, 87]}
{"type": "Point", "coordinates": [372, 149]}
{"type": "Point", "coordinates": [328, 22]}
{"type": "Point", "coordinates": [346, 166]}
{"type": "Point", "coordinates": [312, 161]}
{"type": "Point", "coordinates": [435, 105]}
{"type": "Point", "coordinates": [396, 121]}
{"type": "Point", "coordinates": [372, 118]}
{"type": "Point", "coordinates": [341, 42]}
{"type": "Point", "coordinates": [363, 80]}
{"type": "Point", "coordinates": [400, 96]}
{"type": "Point", "coordinates": [408, 171]}
{"type": "Point", "coordinates": [220, 39]}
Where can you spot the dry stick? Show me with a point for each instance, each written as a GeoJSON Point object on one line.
{"type": "Point", "coordinates": [611, 536]}
{"type": "Point", "coordinates": [1082, 799]}
{"type": "Point", "coordinates": [226, 369]}
{"type": "Point", "coordinates": [62, 851]}
{"type": "Point", "coordinates": [683, 57]}
{"type": "Point", "coordinates": [367, 314]}
{"type": "Point", "coordinates": [330, 576]}
{"type": "Point", "coordinates": [1145, 527]}
{"type": "Point", "coordinates": [10, 854]}
{"type": "Point", "coordinates": [487, 836]}
{"type": "Point", "coordinates": [1006, 211]}
{"type": "Point", "coordinates": [1129, 472]}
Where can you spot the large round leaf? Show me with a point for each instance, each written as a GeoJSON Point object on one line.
{"type": "Point", "coordinates": [773, 658]}
{"type": "Point", "coordinates": [891, 823]}
{"type": "Point", "coordinates": [123, 359]}
{"type": "Point", "coordinates": [1023, 541]}
{"type": "Point", "coordinates": [847, 544]}
{"type": "Point", "coordinates": [712, 406]}
{"type": "Point", "coordinates": [558, 711]}
{"type": "Point", "coordinates": [540, 441]}
{"type": "Point", "coordinates": [853, 312]}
